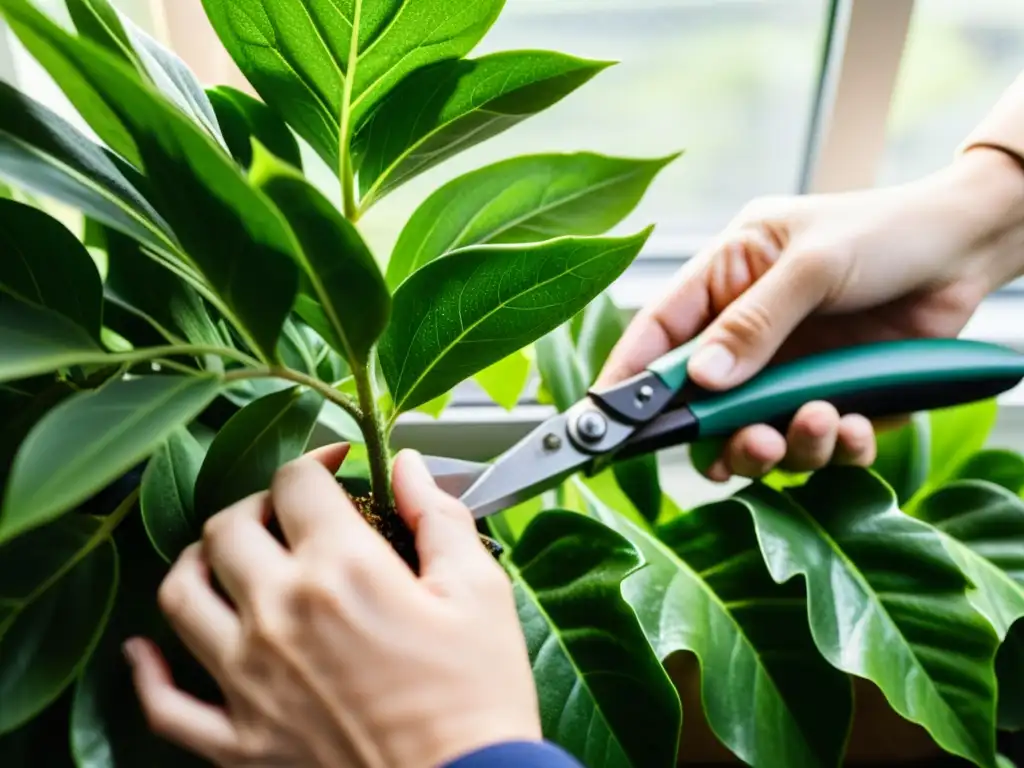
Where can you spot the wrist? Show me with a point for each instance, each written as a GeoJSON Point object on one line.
{"type": "Point", "coordinates": [985, 189]}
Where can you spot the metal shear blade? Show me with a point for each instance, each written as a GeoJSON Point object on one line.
{"type": "Point", "coordinates": [540, 461]}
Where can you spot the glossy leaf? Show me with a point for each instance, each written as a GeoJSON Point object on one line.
{"type": "Point", "coordinates": [887, 602]}
{"type": "Point", "coordinates": [92, 439]}
{"type": "Point", "coordinates": [42, 152]}
{"type": "Point", "coordinates": [36, 340]}
{"type": "Point", "coordinates": [230, 232]}
{"type": "Point", "coordinates": [601, 326]}
{"type": "Point", "coordinates": [296, 55]}
{"type": "Point", "coordinates": [767, 693]}
{"type": "Point", "coordinates": [254, 443]}
{"type": "Point", "coordinates": [1004, 468]}
{"type": "Point", "coordinates": [463, 313]}
{"type": "Point", "coordinates": [985, 526]}
{"type": "Point", "coordinates": [341, 270]}
{"type": "Point", "coordinates": [453, 105]}
{"type": "Point", "coordinates": [42, 262]}
{"type": "Point", "coordinates": [243, 119]}
{"type": "Point", "coordinates": [604, 696]}
{"type": "Point", "coordinates": [903, 459]}
{"type": "Point", "coordinates": [522, 200]}
{"type": "Point", "coordinates": [103, 24]}
{"type": "Point", "coordinates": [505, 380]}
{"type": "Point", "coordinates": [57, 588]}
{"type": "Point", "coordinates": [140, 285]}
{"type": "Point", "coordinates": [638, 478]}
{"type": "Point", "coordinates": [167, 494]}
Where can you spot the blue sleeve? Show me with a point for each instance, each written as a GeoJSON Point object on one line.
{"type": "Point", "coordinates": [517, 755]}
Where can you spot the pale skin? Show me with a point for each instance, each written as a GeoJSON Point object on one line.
{"type": "Point", "coordinates": [331, 652]}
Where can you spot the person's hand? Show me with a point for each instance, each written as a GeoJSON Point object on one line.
{"type": "Point", "coordinates": [797, 275]}
{"type": "Point", "coordinates": [334, 653]}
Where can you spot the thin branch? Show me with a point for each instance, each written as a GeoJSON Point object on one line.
{"type": "Point", "coordinates": [340, 399]}
{"type": "Point", "coordinates": [346, 173]}
{"type": "Point", "coordinates": [178, 350]}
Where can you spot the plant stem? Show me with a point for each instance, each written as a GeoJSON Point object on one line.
{"type": "Point", "coordinates": [376, 443]}
{"type": "Point", "coordinates": [190, 350]}
{"type": "Point", "coordinates": [340, 399]}
{"type": "Point", "coordinates": [346, 173]}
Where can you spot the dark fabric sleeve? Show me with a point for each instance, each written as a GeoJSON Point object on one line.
{"type": "Point", "coordinates": [517, 755]}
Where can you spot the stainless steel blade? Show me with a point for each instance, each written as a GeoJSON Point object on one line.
{"type": "Point", "coordinates": [454, 476]}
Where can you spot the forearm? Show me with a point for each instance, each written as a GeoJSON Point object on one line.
{"type": "Point", "coordinates": [990, 165]}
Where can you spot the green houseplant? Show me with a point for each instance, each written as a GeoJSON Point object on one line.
{"type": "Point", "coordinates": [215, 307]}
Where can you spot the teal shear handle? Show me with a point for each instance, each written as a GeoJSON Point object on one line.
{"type": "Point", "coordinates": [875, 380]}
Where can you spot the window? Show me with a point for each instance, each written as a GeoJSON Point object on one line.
{"type": "Point", "coordinates": [958, 60]}
{"type": "Point", "coordinates": [731, 82]}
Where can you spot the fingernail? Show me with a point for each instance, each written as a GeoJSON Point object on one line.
{"type": "Point", "coordinates": [719, 472]}
{"type": "Point", "coordinates": [713, 363]}
{"type": "Point", "coordinates": [130, 651]}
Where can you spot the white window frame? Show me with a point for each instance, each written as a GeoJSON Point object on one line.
{"type": "Point", "coordinates": [865, 45]}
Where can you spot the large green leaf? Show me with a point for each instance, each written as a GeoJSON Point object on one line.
{"type": "Point", "coordinates": [1002, 467]}
{"type": "Point", "coordinates": [887, 602]}
{"type": "Point", "coordinates": [37, 340]}
{"type": "Point", "coordinates": [231, 233]}
{"type": "Point", "coordinates": [243, 118]}
{"type": "Point", "coordinates": [105, 25]}
{"type": "Point", "coordinates": [525, 199]}
{"type": "Point", "coordinates": [604, 696]}
{"type": "Point", "coordinates": [297, 55]}
{"type": "Point", "coordinates": [451, 106]}
{"type": "Point", "coordinates": [57, 587]}
{"type": "Point", "coordinates": [108, 729]}
{"type": "Point", "coordinates": [767, 693]}
{"type": "Point", "coordinates": [462, 313]}
{"type": "Point", "coordinates": [985, 526]}
{"type": "Point", "coordinates": [167, 495]}
{"type": "Point", "coordinates": [254, 443]}
{"type": "Point", "coordinates": [343, 273]}
{"type": "Point", "coordinates": [91, 439]}
{"type": "Point", "coordinates": [42, 262]}
{"type": "Point", "coordinates": [140, 285]}
{"type": "Point", "coordinates": [42, 152]}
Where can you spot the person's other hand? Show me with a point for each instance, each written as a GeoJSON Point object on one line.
{"type": "Point", "coordinates": [334, 653]}
{"type": "Point", "coordinates": [796, 275]}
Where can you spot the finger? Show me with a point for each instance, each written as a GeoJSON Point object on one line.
{"type": "Point", "coordinates": [856, 445]}
{"type": "Point", "coordinates": [748, 332]}
{"type": "Point", "coordinates": [241, 551]}
{"type": "Point", "coordinates": [174, 714]}
{"type": "Point", "coordinates": [656, 330]}
{"type": "Point", "coordinates": [316, 514]}
{"type": "Point", "coordinates": [811, 437]}
{"type": "Point", "coordinates": [445, 531]}
{"type": "Point", "coordinates": [204, 622]}
{"type": "Point", "coordinates": [754, 451]}
{"type": "Point", "coordinates": [330, 456]}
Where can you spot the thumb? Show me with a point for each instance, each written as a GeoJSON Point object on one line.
{"type": "Point", "coordinates": [446, 536]}
{"type": "Point", "coordinates": [749, 332]}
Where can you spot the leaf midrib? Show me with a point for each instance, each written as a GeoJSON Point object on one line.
{"type": "Point", "coordinates": [553, 632]}
{"type": "Point", "coordinates": [466, 330]}
{"type": "Point", "coordinates": [855, 571]}
{"type": "Point", "coordinates": [682, 566]}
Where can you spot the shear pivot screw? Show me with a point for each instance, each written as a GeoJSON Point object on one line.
{"type": "Point", "coordinates": [592, 426]}
{"type": "Point", "coordinates": [644, 395]}
{"type": "Point", "coordinates": [552, 442]}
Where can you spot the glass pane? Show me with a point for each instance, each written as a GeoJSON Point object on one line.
{"type": "Point", "coordinates": [732, 83]}
{"type": "Point", "coordinates": [960, 57]}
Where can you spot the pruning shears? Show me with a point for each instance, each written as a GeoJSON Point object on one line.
{"type": "Point", "coordinates": [660, 408]}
